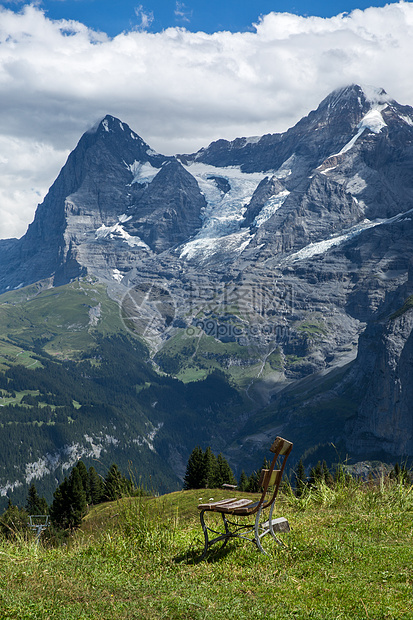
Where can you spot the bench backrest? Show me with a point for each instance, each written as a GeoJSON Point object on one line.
{"type": "Point", "coordinates": [271, 477]}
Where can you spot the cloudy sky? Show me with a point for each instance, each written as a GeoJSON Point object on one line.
{"type": "Point", "coordinates": [181, 74]}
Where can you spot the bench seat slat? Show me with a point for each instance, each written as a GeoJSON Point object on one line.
{"type": "Point", "coordinates": [210, 506]}
{"type": "Point", "coordinates": [225, 504]}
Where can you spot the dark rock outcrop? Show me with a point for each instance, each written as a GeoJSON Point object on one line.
{"type": "Point", "coordinates": [383, 375]}
{"type": "Point", "coordinates": [168, 211]}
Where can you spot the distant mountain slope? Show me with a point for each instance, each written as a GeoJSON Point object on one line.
{"type": "Point", "coordinates": [109, 405]}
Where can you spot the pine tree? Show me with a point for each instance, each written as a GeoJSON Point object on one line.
{"type": "Point", "coordinates": [59, 507]}
{"type": "Point", "coordinates": [243, 481]}
{"type": "Point", "coordinates": [78, 503]}
{"type": "Point", "coordinates": [328, 478]}
{"type": "Point", "coordinates": [253, 482]}
{"type": "Point", "coordinates": [205, 470]}
{"type": "Point", "coordinates": [36, 505]}
{"type": "Point", "coordinates": [69, 503]}
{"type": "Point", "coordinates": [210, 470]}
{"type": "Point", "coordinates": [81, 467]}
{"type": "Point", "coordinates": [194, 475]}
{"type": "Point", "coordinates": [300, 479]}
{"type": "Point", "coordinates": [96, 486]}
{"type": "Point", "coordinates": [116, 485]}
{"type": "Point", "coordinates": [224, 473]}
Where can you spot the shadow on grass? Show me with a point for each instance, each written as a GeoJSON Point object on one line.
{"type": "Point", "coordinates": [194, 556]}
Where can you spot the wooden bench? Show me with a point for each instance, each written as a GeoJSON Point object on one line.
{"type": "Point", "coordinates": [269, 482]}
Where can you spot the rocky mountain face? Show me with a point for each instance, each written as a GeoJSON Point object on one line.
{"type": "Point", "coordinates": [267, 257]}
{"type": "Point", "coordinates": [383, 375]}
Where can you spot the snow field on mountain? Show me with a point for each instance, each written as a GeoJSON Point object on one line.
{"type": "Point", "coordinates": [143, 172]}
{"type": "Point", "coordinates": [118, 232]}
{"type": "Point", "coordinates": [224, 211]}
{"type": "Point", "coordinates": [373, 121]}
{"type": "Point", "coordinates": [270, 207]}
{"type": "Point", "coordinates": [321, 247]}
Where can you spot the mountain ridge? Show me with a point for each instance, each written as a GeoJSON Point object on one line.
{"type": "Point", "coordinates": [266, 258]}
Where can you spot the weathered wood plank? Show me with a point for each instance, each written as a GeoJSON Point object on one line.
{"type": "Point", "coordinates": [220, 502]}
{"type": "Point", "coordinates": [286, 446]}
{"type": "Point", "coordinates": [228, 506]}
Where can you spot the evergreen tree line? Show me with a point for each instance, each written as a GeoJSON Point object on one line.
{"type": "Point", "coordinates": [205, 470]}
{"type": "Point", "coordinates": [320, 473]}
{"type": "Point", "coordinates": [251, 483]}
{"type": "Point", "coordinates": [78, 491]}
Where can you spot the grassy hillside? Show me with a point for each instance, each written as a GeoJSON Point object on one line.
{"type": "Point", "coordinates": [193, 356]}
{"type": "Point", "coordinates": [63, 322]}
{"type": "Point", "coordinates": [349, 556]}
{"type": "Point", "coordinates": [74, 384]}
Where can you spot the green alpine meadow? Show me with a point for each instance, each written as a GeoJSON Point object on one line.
{"type": "Point", "coordinates": [348, 555]}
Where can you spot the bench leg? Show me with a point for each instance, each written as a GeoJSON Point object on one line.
{"type": "Point", "coordinates": [270, 522]}
{"type": "Point", "coordinates": [205, 530]}
{"type": "Point", "coordinates": [259, 530]}
{"type": "Point", "coordinates": [208, 543]}
{"type": "Point", "coordinates": [262, 529]}
{"type": "Point", "coordinates": [258, 535]}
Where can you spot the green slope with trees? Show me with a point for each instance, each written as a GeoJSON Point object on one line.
{"type": "Point", "coordinates": [71, 388]}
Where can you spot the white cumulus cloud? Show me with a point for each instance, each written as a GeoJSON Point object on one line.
{"type": "Point", "coordinates": [177, 89]}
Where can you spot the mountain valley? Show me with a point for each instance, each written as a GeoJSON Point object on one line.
{"type": "Point", "coordinates": [257, 287]}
